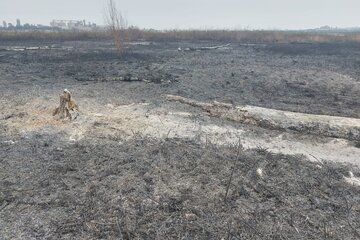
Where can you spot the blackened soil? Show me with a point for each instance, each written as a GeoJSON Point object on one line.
{"type": "Point", "coordinates": [110, 188]}
{"type": "Point", "coordinates": [311, 78]}
{"type": "Point", "coordinates": [171, 189]}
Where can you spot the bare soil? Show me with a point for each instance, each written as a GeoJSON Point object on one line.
{"type": "Point", "coordinates": [135, 166]}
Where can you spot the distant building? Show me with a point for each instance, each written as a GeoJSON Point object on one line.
{"type": "Point", "coordinates": [58, 24]}
{"type": "Point", "coordinates": [4, 24]}
{"type": "Point", "coordinates": [72, 24]}
{"type": "Point", "coordinates": [67, 24]}
{"type": "Point", "coordinates": [18, 24]}
{"type": "Point", "coordinates": [75, 24]}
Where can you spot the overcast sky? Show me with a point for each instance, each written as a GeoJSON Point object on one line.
{"type": "Point", "coordinates": [184, 14]}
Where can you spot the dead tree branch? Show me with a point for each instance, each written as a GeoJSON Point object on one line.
{"type": "Point", "coordinates": [116, 23]}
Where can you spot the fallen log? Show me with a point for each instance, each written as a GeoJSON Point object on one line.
{"type": "Point", "coordinates": [204, 48]}
{"type": "Point", "coordinates": [324, 125]}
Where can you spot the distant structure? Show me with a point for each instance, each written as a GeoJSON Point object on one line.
{"type": "Point", "coordinates": [55, 25]}
{"type": "Point", "coordinates": [18, 24]}
{"type": "Point", "coordinates": [72, 24]}
{"type": "Point", "coordinates": [58, 24]}
{"type": "Point", "coordinates": [66, 24]}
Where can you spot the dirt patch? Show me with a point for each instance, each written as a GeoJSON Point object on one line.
{"type": "Point", "coordinates": [129, 120]}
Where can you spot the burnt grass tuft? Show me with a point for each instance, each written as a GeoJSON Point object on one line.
{"type": "Point", "coordinates": [172, 189]}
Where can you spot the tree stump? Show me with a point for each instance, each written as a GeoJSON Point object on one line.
{"type": "Point", "coordinates": [67, 104]}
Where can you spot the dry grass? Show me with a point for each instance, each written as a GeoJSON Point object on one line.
{"type": "Point", "coordinates": [52, 36]}
{"type": "Point", "coordinates": [243, 36]}
{"type": "Point", "coordinates": [135, 34]}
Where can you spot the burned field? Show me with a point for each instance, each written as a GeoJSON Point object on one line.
{"type": "Point", "coordinates": [146, 189]}
{"type": "Point", "coordinates": [136, 166]}
{"type": "Point", "coordinates": [313, 78]}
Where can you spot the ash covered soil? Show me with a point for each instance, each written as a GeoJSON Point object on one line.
{"type": "Point", "coordinates": [311, 78]}
{"type": "Point", "coordinates": [106, 176]}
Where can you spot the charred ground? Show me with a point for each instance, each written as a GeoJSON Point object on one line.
{"type": "Point", "coordinates": [312, 78]}
{"type": "Point", "coordinates": [146, 189]}
{"type": "Point", "coordinates": [107, 186]}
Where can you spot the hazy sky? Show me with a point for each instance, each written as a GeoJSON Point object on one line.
{"type": "Point", "coordinates": [168, 14]}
